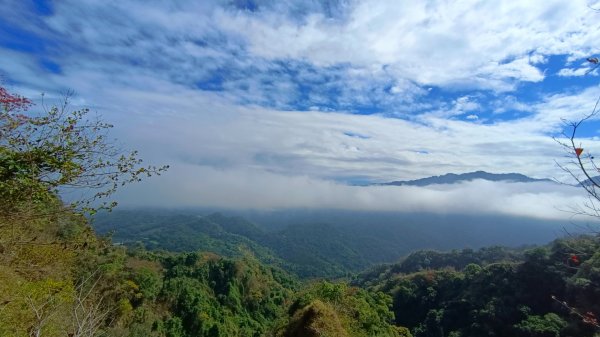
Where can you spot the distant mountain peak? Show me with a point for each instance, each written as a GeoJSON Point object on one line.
{"type": "Point", "coordinates": [453, 178]}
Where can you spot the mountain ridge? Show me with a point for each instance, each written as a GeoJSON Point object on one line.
{"type": "Point", "coordinates": [453, 178]}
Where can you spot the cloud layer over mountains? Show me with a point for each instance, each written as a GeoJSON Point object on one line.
{"type": "Point", "coordinates": [279, 104]}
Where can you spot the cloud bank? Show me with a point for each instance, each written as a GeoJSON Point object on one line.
{"type": "Point", "coordinates": [189, 186]}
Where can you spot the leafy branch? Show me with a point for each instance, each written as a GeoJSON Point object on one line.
{"type": "Point", "coordinates": [46, 154]}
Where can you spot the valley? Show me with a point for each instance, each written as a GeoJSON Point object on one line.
{"type": "Point", "coordinates": [321, 243]}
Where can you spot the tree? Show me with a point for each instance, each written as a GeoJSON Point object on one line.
{"type": "Point", "coordinates": [581, 164]}
{"type": "Point", "coordinates": [56, 150]}
{"type": "Point", "coordinates": [549, 325]}
{"type": "Point", "coordinates": [45, 242]}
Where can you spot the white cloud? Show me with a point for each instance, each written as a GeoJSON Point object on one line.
{"type": "Point", "coordinates": [473, 44]}
{"type": "Point", "coordinates": [465, 104]}
{"type": "Point", "coordinates": [209, 131]}
{"type": "Point", "coordinates": [258, 158]}
{"type": "Point", "coordinates": [190, 185]}
{"type": "Point", "coordinates": [575, 72]}
{"type": "Point", "coordinates": [371, 45]}
{"type": "Point", "coordinates": [509, 103]}
{"type": "Point", "coordinates": [173, 124]}
{"type": "Point", "coordinates": [569, 106]}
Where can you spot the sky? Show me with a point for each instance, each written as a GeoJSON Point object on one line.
{"type": "Point", "coordinates": [280, 104]}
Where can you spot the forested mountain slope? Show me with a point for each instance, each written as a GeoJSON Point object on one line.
{"type": "Point", "coordinates": [547, 291]}
{"type": "Point", "coordinates": [321, 244]}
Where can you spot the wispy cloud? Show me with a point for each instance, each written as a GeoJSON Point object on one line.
{"type": "Point", "coordinates": [316, 143]}
{"type": "Point", "coordinates": [475, 44]}
{"type": "Point", "coordinates": [343, 55]}
{"type": "Point", "coordinates": [583, 71]}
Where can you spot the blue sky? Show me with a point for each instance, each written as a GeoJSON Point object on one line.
{"type": "Point", "coordinates": [260, 95]}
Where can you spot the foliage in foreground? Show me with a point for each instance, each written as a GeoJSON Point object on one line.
{"type": "Point", "coordinates": [58, 149]}
{"type": "Point", "coordinates": [96, 289]}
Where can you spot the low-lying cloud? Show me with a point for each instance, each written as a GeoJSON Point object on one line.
{"type": "Point", "coordinates": [193, 186]}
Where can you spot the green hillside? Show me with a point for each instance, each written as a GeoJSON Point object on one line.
{"type": "Point", "coordinates": [314, 250]}
{"type": "Point", "coordinates": [327, 245]}
{"type": "Point", "coordinates": [546, 291]}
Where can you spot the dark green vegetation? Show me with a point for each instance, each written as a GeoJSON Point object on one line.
{"type": "Point", "coordinates": [61, 280]}
{"type": "Point", "coordinates": [308, 251]}
{"type": "Point", "coordinates": [492, 291]}
{"type": "Point", "coordinates": [318, 244]}
{"type": "Point", "coordinates": [495, 292]}
{"type": "Point", "coordinates": [214, 233]}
